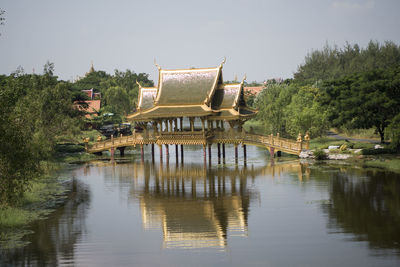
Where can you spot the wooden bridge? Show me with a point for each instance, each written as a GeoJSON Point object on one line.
{"type": "Point", "coordinates": [205, 138]}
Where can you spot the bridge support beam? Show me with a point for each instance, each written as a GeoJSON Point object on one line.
{"type": "Point", "coordinates": [141, 152]}
{"type": "Point", "coordinates": [272, 151]}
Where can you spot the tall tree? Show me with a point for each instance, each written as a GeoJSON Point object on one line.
{"type": "Point", "coordinates": [364, 100]}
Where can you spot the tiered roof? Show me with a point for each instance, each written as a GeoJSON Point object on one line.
{"type": "Point", "coordinates": [191, 93]}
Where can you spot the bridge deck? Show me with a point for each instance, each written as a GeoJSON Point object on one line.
{"type": "Point", "coordinates": [202, 138]}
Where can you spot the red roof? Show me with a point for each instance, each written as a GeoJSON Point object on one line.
{"type": "Point", "coordinates": [254, 90]}
{"type": "Point", "coordinates": [92, 109]}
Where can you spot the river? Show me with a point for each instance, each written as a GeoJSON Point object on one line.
{"type": "Point", "coordinates": [269, 212]}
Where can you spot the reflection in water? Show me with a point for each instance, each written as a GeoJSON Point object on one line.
{"type": "Point", "coordinates": [367, 207]}
{"type": "Point", "coordinates": [136, 206]}
{"type": "Point", "coordinates": [54, 239]}
{"type": "Point", "coordinates": [197, 206]}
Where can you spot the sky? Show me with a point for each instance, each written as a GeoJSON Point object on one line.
{"type": "Point", "coordinates": [263, 39]}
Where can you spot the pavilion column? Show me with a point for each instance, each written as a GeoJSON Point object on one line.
{"type": "Point", "coordinates": [181, 121]}
{"type": "Point", "coordinates": [191, 124]}
{"type": "Point", "coordinates": [161, 153]}
{"type": "Point", "coordinates": [202, 124]}
{"type": "Point", "coordinates": [204, 153]}
{"type": "Point", "coordinates": [176, 125]}
{"type": "Point", "coordinates": [166, 125]}
{"type": "Point", "coordinates": [171, 128]}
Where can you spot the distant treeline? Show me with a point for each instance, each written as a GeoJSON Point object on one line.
{"type": "Point", "coordinates": [347, 88]}
{"type": "Point", "coordinates": [37, 112]}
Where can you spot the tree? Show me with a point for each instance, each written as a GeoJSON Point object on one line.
{"type": "Point", "coordinates": [334, 63]}
{"type": "Point", "coordinates": [271, 103]}
{"type": "Point", "coordinates": [305, 114]}
{"type": "Point", "coordinates": [363, 100]}
{"type": "Point", "coordinates": [117, 99]}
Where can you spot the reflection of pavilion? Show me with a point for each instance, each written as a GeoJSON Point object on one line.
{"type": "Point", "coordinates": [195, 207]}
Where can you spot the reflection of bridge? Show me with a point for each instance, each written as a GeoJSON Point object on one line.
{"type": "Point", "coordinates": [204, 138]}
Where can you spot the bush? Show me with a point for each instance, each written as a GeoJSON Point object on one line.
{"type": "Point", "coordinates": [70, 148]}
{"type": "Point", "coordinates": [378, 151]}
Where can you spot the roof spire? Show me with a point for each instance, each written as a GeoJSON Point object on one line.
{"type": "Point", "coordinates": [91, 67]}
{"type": "Point", "coordinates": [155, 63]}
{"type": "Point", "coordinates": [223, 62]}
{"type": "Point", "coordinates": [244, 78]}
{"type": "Point", "coordinates": [138, 84]}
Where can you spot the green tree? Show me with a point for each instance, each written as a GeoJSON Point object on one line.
{"type": "Point", "coordinates": [117, 99]}
{"type": "Point", "coordinates": [271, 103]}
{"type": "Point", "coordinates": [334, 63]}
{"type": "Point", "coordinates": [363, 100]}
{"type": "Point", "coordinates": [305, 114]}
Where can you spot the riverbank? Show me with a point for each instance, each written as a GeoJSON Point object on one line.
{"type": "Point", "coordinates": [46, 193]}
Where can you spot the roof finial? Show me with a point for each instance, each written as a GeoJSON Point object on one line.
{"type": "Point", "coordinates": [223, 62]}
{"type": "Point", "coordinates": [155, 63]}
{"type": "Point", "coordinates": [138, 83]}
{"type": "Point", "coordinates": [244, 78]}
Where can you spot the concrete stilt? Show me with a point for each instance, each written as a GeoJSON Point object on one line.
{"type": "Point", "coordinates": [152, 152]}
{"type": "Point", "coordinates": [236, 153]}
{"type": "Point", "coordinates": [219, 153]}
{"type": "Point", "coordinates": [223, 153]}
{"type": "Point", "coordinates": [161, 156]}
{"type": "Point", "coordinates": [182, 153]}
{"type": "Point", "coordinates": [244, 155]}
{"type": "Point", "coordinates": [209, 153]}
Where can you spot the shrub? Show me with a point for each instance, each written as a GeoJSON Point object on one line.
{"type": "Point", "coordinates": [319, 154]}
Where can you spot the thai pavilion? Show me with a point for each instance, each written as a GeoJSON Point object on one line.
{"type": "Point", "coordinates": [185, 98]}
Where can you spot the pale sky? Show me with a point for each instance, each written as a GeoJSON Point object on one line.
{"type": "Point", "coordinates": [264, 39]}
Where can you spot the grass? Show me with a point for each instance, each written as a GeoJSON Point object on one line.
{"type": "Point", "coordinates": [36, 203]}
{"type": "Point", "coordinates": [389, 163]}
{"type": "Point", "coordinates": [358, 133]}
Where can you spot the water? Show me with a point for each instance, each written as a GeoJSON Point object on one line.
{"type": "Point", "coordinates": [268, 213]}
